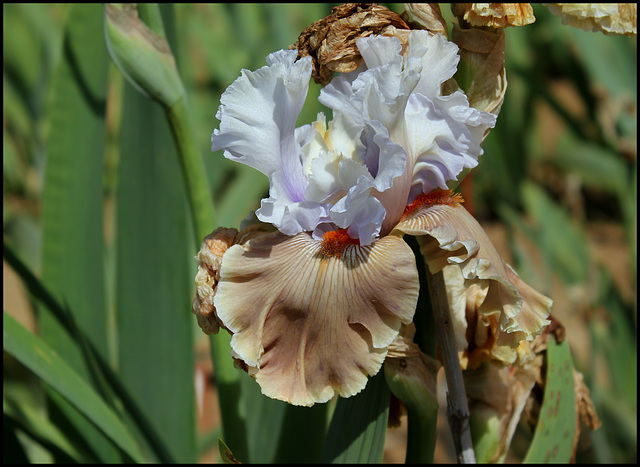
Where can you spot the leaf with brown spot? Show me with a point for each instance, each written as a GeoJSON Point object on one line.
{"type": "Point", "coordinates": [556, 431]}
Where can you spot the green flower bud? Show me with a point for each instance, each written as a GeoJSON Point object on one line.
{"type": "Point", "coordinates": [142, 56]}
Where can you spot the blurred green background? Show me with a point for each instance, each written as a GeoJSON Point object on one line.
{"type": "Point", "coordinates": [95, 206]}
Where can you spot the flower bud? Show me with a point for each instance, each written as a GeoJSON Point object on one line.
{"type": "Point", "coordinates": [143, 57]}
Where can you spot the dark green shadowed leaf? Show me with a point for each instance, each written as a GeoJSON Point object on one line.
{"type": "Point", "coordinates": [359, 425]}
{"type": "Point", "coordinates": [556, 429]}
{"type": "Point", "coordinates": [72, 241]}
{"type": "Point", "coordinates": [109, 381]}
{"type": "Point", "coordinates": [153, 276]}
{"type": "Point", "coordinates": [45, 362]}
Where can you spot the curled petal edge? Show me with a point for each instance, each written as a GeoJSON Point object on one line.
{"type": "Point", "coordinates": [448, 234]}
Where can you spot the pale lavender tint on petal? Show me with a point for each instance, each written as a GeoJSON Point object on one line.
{"type": "Point", "coordinates": [257, 117]}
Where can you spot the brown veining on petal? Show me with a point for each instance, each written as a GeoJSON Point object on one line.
{"type": "Point", "coordinates": [308, 325]}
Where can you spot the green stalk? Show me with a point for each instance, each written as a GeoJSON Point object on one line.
{"type": "Point", "coordinates": [193, 169]}
{"type": "Point", "coordinates": [457, 406]}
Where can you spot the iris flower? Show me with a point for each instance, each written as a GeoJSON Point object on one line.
{"type": "Point", "coordinates": [318, 281]}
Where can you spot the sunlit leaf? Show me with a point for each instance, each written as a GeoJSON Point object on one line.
{"type": "Point", "coordinates": [553, 441]}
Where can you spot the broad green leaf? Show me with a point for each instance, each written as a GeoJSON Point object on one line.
{"type": "Point", "coordinates": [72, 241]}
{"type": "Point", "coordinates": [298, 445]}
{"type": "Point", "coordinates": [72, 198]}
{"type": "Point", "coordinates": [46, 363]}
{"type": "Point", "coordinates": [553, 441]}
{"type": "Point", "coordinates": [153, 276]}
{"type": "Point", "coordinates": [242, 195]}
{"type": "Point", "coordinates": [597, 167]}
{"type": "Point", "coordinates": [264, 421]}
{"type": "Point", "coordinates": [359, 425]}
{"type": "Point", "coordinates": [12, 450]}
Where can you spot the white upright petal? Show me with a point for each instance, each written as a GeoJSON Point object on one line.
{"type": "Point", "coordinates": [439, 59]}
{"type": "Point", "coordinates": [257, 117]}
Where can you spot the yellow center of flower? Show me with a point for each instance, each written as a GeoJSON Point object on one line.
{"type": "Point", "coordinates": [433, 198]}
{"type": "Point", "coordinates": [334, 242]}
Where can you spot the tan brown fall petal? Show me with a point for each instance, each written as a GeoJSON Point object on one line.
{"type": "Point", "coordinates": [331, 41]}
{"type": "Point", "coordinates": [509, 310]}
{"type": "Point", "coordinates": [309, 325]}
{"type": "Point", "coordinates": [608, 18]}
{"type": "Point", "coordinates": [494, 15]}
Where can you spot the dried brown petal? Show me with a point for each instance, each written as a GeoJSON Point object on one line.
{"type": "Point", "coordinates": [427, 16]}
{"type": "Point", "coordinates": [481, 71]}
{"type": "Point", "coordinates": [585, 407]}
{"type": "Point", "coordinates": [209, 259]}
{"type": "Point", "coordinates": [331, 41]}
{"type": "Point", "coordinates": [500, 391]}
{"type": "Point", "coordinates": [608, 18]}
{"type": "Point", "coordinates": [494, 15]}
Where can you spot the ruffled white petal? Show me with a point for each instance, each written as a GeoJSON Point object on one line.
{"type": "Point", "coordinates": [393, 135]}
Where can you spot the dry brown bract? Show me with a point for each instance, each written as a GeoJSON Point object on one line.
{"type": "Point", "coordinates": [331, 41]}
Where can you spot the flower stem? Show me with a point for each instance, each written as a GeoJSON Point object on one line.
{"type": "Point", "coordinates": [193, 169]}
{"type": "Point", "coordinates": [457, 407]}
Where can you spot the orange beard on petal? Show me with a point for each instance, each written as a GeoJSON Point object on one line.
{"type": "Point", "coordinates": [433, 198]}
{"type": "Point", "coordinates": [334, 242]}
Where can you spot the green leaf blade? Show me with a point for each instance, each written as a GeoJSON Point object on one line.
{"type": "Point", "coordinates": [153, 276]}
{"type": "Point", "coordinates": [45, 362]}
{"type": "Point", "coordinates": [359, 424]}
{"type": "Point", "coordinates": [553, 441]}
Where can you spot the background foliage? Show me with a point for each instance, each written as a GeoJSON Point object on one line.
{"type": "Point", "coordinates": [94, 205]}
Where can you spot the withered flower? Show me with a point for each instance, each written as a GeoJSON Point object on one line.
{"type": "Point", "coordinates": [608, 18]}
{"type": "Point", "coordinates": [331, 41]}
{"type": "Point", "coordinates": [494, 15]}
